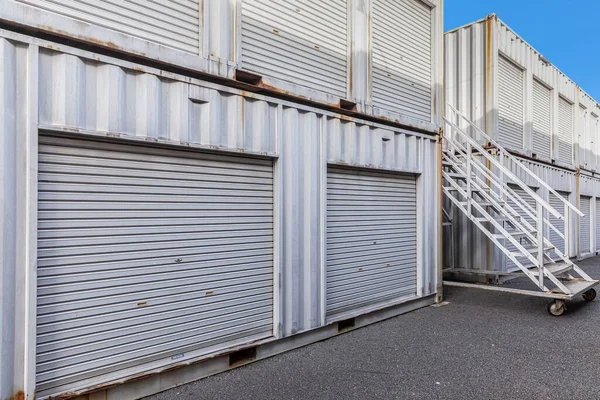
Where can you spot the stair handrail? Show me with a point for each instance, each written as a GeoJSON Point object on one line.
{"type": "Point", "coordinates": [505, 170]}
{"type": "Point", "coordinates": [517, 162]}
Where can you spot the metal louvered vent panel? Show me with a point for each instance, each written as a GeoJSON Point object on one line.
{"type": "Point", "coordinates": [531, 201]}
{"type": "Point", "coordinates": [542, 120]}
{"type": "Point", "coordinates": [371, 239]}
{"type": "Point", "coordinates": [303, 42]}
{"type": "Point", "coordinates": [585, 224]}
{"type": "Point", "coordinates": [402, 64]}
{"type": "Point", "coordinates": [565, 131]}
{"type": "Point", "coordinates": [559, 224]}
{"type": "Point", "coordinates": [173, 23]}
{"type": "Point", "coordinates": [147, 254]}
{"type": "Point", "coordinates": [510, 104]}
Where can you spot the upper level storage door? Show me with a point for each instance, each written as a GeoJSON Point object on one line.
{"type": "Point", "coordinates": [402, 61]}
{"type": "Point", "coordinates": [510, 104]}
{"type": "Point", "coordinates": [147, 257]}
{"type": "Point", "coordinates": [300, 42]}
{"type": "Point", "coordinates": [172, 23]}
{"type": "Point", "coordinates": [542, 120]}
{"type": "Point", "coordinates": [565, 131]}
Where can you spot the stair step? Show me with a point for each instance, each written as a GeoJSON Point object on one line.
{"type": "Point", "coordinates": [576, 286]}
{"type": "Point", "coordinates": [531, 250]}
{"type": "Point", "coordinates": [484, 204]}
{"type": "Point", "coordinates": [556, 269]}
{"type": "Point", "coordinates": [513, 234]}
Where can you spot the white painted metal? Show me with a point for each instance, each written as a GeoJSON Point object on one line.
{"type": "Point", "coordinates": [303, 42]}
{"type": "Point", "coordinates": [402, 57]}
{"type": "Point", "coordinates": [542, 120]}
{"type": "Point", "coordinates": [371, 240]}
{"type": "Point", "coordinates": [597, 225]}
{"type": "Point", "coordinates": [510, 104]}
{"type": "Point", "coordinates": [531, 201]}
{"type": "Point", "coordinates": [559, 224]}
{"type": "Point", "coordinates": [565, 132]}
{"type": "Point", "coordinates": [475, 185]}
{"type": "Point", "coordinates": [147, 254]}
{"type": "Point", "coordinates": [172, 23]}
{"type": "Point", "coordinates": [585, 225]}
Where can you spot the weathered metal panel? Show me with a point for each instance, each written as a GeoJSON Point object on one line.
{"type": "Point", "coordinates": [371, 240]}
{"type": "Point", "coordinates": [402, 57]}
{"type": "Point", "coordinates": [566, 124]}
{"type": "Point", "coordinates": [585, 225]}
{"type": "Point", "coordinates": [542, 120]}
{"type": "Point", "coordinates": [172, 23]}
{"type": "Point", "coordinates": [146, 256]}
{"type": "Point", "coordinates": [303, 42]}
{"type": "Point", "coordinates": [510, 104]}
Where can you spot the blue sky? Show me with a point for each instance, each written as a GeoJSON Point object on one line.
{"type": "Point", "coordinates": [566, 32]}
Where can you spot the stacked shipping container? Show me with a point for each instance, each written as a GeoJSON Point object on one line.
{"type": "Point", "coordinates": [185, 179]}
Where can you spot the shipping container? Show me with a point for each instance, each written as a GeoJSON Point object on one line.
{"type": "Point", "coordinates": [528, 106]}
{"type": "Point", "coordinates": [153, 220]}
{"type": "Point", "coordinates": [379, 58]}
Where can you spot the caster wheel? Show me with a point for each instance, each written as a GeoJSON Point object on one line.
{"type": "Point", "coordinates": [557, 308]}
{"type": "Point", "coordinates": [590, 295]}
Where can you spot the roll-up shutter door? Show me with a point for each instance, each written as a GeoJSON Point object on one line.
{"type": "Point", "coordinates": [559, 224]}
{"type": "Point", "coordinates": [532, 203]}
{"type": "Point", "coordinates": [585, 225]}
{"type": "Point", "coordinates": [542, 120]}
{"type": "Point", "coordinates": [371, 240]}
{"type": "Point", "coordinates": [402, 57]}
{"type": "Point", "coordinates": [172, 23]}
{"type": "Point", "coordinates": [303, 42]}
{"type": "Point", "coordinates": [597, 225]}
{"type": "Point", "coordinates": [147, 256]}
{"type": "Point", "coordinates": [510, 104]}
{"type": "Point", "coordinates": [565, 132]}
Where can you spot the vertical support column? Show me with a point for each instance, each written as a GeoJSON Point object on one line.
{"type": "Point", "coordinates": [528, 110]}
{"type": "Point", "coordinates": [567, 230]}
{"type": "Point", "coordinates": [540, 241]}
{"type": "Point", "coordinates": [469, 172]}
{"type": "Point", "coordinates": [555, 107]}
{"type": "Point", "coordinates": [491, 77]}
{"type": "Point", "coordinates": [221, 39]}
{"type": "Point", "coordinates": [360, 56]}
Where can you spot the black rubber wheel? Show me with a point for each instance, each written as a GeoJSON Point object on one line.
{"type": "Point", "coordinates": [557, 308]}
{"type": "Point", "coordinates": [590, 295]}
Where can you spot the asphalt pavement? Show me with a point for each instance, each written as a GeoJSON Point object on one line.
{"type": "Point", "coordinates": [481, 345]}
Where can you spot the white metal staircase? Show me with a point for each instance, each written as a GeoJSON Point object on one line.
{"type": "Point", "coordinates": [476, 183]}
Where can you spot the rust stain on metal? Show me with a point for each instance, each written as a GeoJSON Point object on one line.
{"type": "Point", "coordinates": [361, 270]}
{"type": "Point", "coordinates": [276, 31]}
{"type": "Point", "coordinates": [20, 395]}
{"type": "Point", "coordinates": [210, 293]}
{"type": "Point", "coordinates": [142, 304]}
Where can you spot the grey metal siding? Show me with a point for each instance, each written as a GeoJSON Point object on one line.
{"type": "Point", "coordinates": [147, 254]}
{"type": "Point", "coordinates": [371, 239]}
{"type": "Point", "coordinates": [303, 42]}
{"type": "Point", "coordinates": [559, 224]}
{"type": "Point", "coordinates": [585, 222]}
{"type": "Point", "coordinates": [565, 131]}
{"type": "Point", "coordinates": [173, 23]}
{"type": "Point", "coordinates": [402, 63]}
{"type": "Point", "coordinates": [531, 201]}
{"type": "Point", "coordinates": [542, 120]}
{"type": "Point", "coordinates": [510, 104]}
{"type": "Point", "coordinates": [597, 224]}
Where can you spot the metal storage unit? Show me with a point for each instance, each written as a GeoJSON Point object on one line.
{"type": "Point", "coordinates": [402, 61]}
{"type": "Point", "coordinates": [303, 42]}
{"type": "Point", "coordinates": [172, 23]}
{"type": "Point", "coordinates": [542, 120]}
{"type": "Point", "coordinates": [531, 201]}
{"type": "Point", "coordinates": [565, 131]}
{"type": "Point", "coordinates": [371, 240]}
{"type": "Point", "coordinates": [585, 224]}
{"type": "Point", "coordinates": [510, 104]}
{"type": "Point", "coordinates": [147, 254]}
{"type": "Point", "coordinates": [559, 224]}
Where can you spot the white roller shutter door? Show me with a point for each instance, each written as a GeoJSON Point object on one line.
{"type": "Point", "coordinates": [510, 104]}
{"type": "Point", "coordinates": [371, 240]}
{"type": "Point", "coordinates": [565, 132]}
{"type": "Point", "coordinates": [402, 65]}
{"type": "Point", "coordinates": [542, 120]}
{"type": "Point", "coordinates": [585, 224]}
{"type": "Point", "coordinates": [172, 23]}
{"type": "Point", "coordinates": [303, 42]}
{"type": "Point", "coordinates": [525, 243]}
{"type": "Point", "coordinates": [146, 255]}
{"type": "Point", "coordinates": [597, 225]}
{"type": "Point", "coordinates": [559, 224]}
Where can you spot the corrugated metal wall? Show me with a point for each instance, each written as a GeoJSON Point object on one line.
{"type": "Point", "coordinates": [542, 120]}
{"type": "Point", "coordinates": [82, 94]}
{"type": "Point", "coordinates": [585, 225]}
{"type": "Point", "coordinates": [402, 61]}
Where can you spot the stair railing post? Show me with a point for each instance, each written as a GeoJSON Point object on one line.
{"type": "Point", "coordinates": [469, 172]}
{"type": "Point", "coordinates": [567, 231]}
{"type": "Point", "coordinates": [540, 242]}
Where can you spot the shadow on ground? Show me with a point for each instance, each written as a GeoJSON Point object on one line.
{"type": "Point", "coordinates": [482, 345]}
